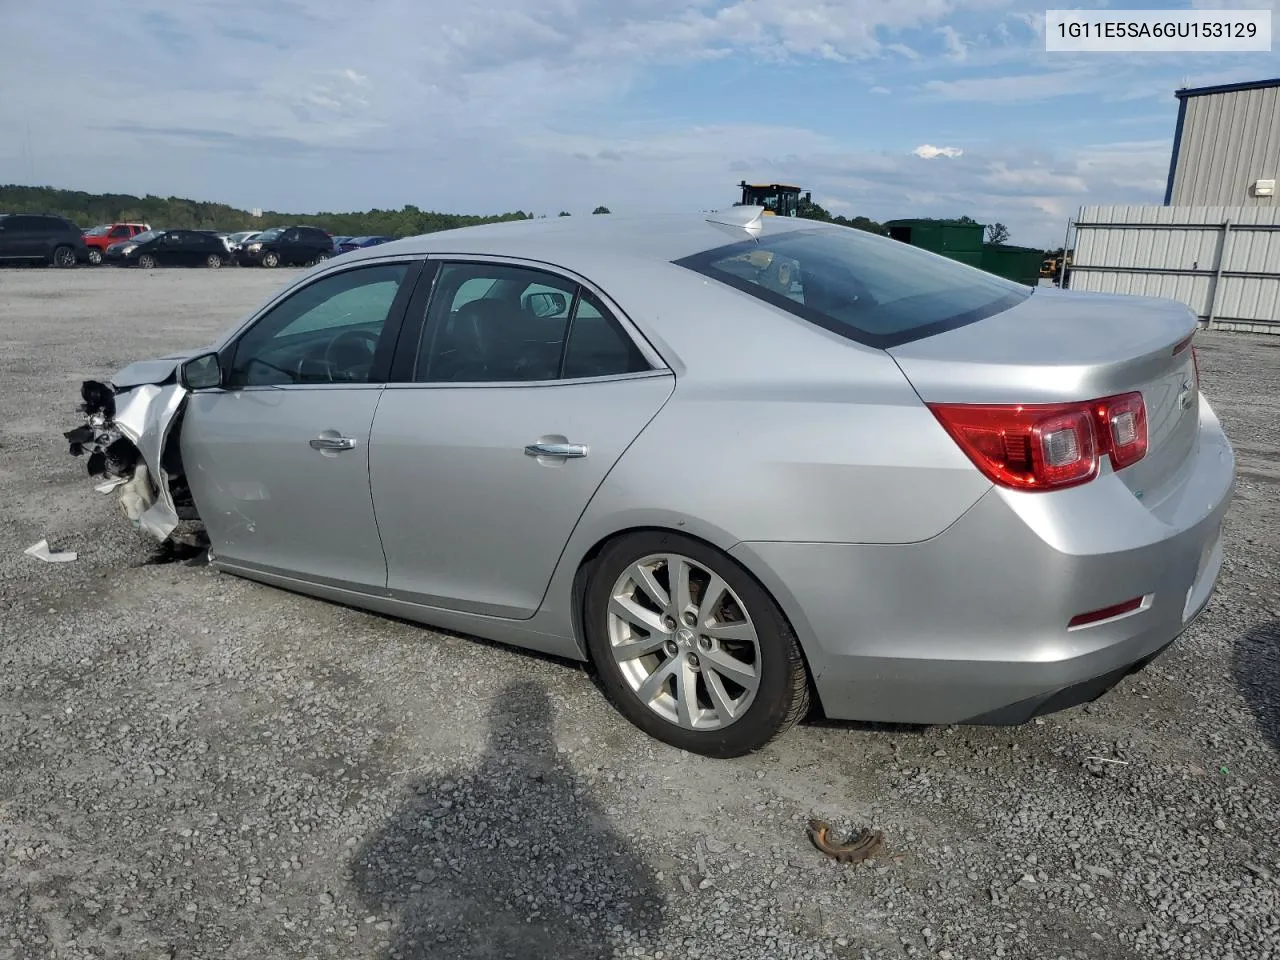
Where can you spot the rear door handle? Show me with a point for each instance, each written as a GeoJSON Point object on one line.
{"type": "Point", "coordinates": [332, 443]}
{"type": "Point", "coordinates": [556, 450]}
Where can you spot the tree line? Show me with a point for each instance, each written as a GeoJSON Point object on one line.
{"type": "Point", "coordinates": [89, 209]}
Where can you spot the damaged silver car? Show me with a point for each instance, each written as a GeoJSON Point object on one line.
{"type": "Point", "coordinates": [735, 462]}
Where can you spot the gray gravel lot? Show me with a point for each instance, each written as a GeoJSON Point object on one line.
{"type": "Point", "coordinates": [195, 766]}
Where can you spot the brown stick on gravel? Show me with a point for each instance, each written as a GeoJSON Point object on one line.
{"type": "Point", "coordinates": [863, 845]}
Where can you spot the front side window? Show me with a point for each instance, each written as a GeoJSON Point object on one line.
{"type": "Point", "coordinates": [493, 323]}
{"type": "Point", "coordinates": [327, 332]}
{"type": "Point", "coordinates": [871, 289]}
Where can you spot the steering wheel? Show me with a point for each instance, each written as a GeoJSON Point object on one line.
{"type": "Point", "coordinates": [359, 346]}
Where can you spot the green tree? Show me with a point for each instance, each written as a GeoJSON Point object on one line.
{"type": "Point", "coordinates": [565, 213]}
{"type": "Point", "coordinates": [89, 209]}
{"type": "Point", "coordinates": [997, 233]}
{"type": "Point", "coordinates": [601, 209]}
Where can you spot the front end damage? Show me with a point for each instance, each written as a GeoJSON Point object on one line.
{"type": "Point", "coordinates": [131, 437]}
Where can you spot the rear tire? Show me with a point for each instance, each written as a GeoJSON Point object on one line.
{"type": "Point", "coordinates": [63, 257]}
{"type": "Point", "coordinates": [722, 675]}
{"type": "Point", "coordinates": [213, 260]}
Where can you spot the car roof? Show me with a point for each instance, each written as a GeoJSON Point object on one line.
{"type": "Point", "coordinates": [567, 240]}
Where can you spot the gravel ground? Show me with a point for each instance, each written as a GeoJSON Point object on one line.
{"type": "Point", "coordinates": [195, 766]}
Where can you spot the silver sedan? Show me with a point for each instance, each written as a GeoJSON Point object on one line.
{"type": "Point", "coordinates": [740, 464]}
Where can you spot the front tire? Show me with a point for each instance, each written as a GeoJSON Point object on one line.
{"type": "Point", "coordinates": [95, 256]}
{"type": "Point", "coordinates": [147, 261]}
{"type": "Point", "coordinates": [690, 648]}
{"type": "Point", "coordinates": [64, 257]}
{"type": "Point", "coordinates": [270, 259]}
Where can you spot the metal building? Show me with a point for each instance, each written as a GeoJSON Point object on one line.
{"type": "Point", "coordinates": [1215, 244]}
{"type": "Point", "coordinates": [1226, 146]}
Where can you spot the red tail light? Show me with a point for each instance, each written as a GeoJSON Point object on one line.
{"type": "Point", "coordinates": [1048, 446]}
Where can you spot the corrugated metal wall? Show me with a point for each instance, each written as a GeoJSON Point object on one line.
{"type": "Point", "coordinates": [1223, 262]}
{"type": "Point", "coordinates": [1228, 141]}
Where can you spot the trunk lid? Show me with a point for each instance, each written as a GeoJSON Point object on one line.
{"type": "Point", "coordinates": [1059, 346]}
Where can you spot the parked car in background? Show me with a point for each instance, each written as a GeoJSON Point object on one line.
{"type": "Point", "coordinates": [98, 238]}
{"type": "Point", "coordinates": [169, 248]}
{"type": "Point", "coordinates": [41, 238]}
{"type": "Point", "coordinates": [359, 243]}
{"type": "Point", "coordinates": [287, 247]}
{"type": "Point", "coordinates": [239, 238]}
{"type": "Point", "coordinates": [223, 237]}
{"type": "Point", "coordinates": [734, 461]}
{"type": "Point", "coordinates": [337, 242]}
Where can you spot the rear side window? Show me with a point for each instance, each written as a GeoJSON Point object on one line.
{"type": "Point", "coordinates": [871, 289]}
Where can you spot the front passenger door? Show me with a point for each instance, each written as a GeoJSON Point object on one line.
{"type": "Point", "coordinates": [278, 458]}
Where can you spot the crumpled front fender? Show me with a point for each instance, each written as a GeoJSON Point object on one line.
{"type": "Point", "coordinates": [143, 415]}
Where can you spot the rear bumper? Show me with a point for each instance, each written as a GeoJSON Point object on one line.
{"type": "Point", "coordinates": [971, 625]}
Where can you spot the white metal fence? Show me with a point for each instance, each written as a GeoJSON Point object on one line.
{"type": "Point", "coordinates": [1222, 262]}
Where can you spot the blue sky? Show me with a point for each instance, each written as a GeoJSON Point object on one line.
{"type": "Point", "coordinates": [887, 108]}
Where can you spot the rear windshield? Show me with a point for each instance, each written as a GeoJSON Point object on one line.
{"type": "Point", "coordinates": [871, 289]}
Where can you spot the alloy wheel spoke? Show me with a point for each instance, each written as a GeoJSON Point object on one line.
{"type": "Point", "coordinates": [711, 598]}
{"type": "Point", "coordinates": [741, 631]}
{"type": "Point", "coordinates": [678, 570]}
{"type": "Point", "coordinates": [633, 613]}
{"type": "Point", "coordinates": [645, 580]}
{"type": "Point", "coordinates": [639, 647]}
{"type": "Point", "coordinates": [720, 699]}
{"type": "Point", "coordinates": [731, 668]}
{"type": "Point", "coordinates": [654, 682]}
{"type": "Point", "coordinates": [686, 695]}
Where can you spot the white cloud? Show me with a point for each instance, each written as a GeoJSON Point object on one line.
{"type": "Point", "coordinates": [880, 90]}
{"type": "Point", "coordinates": [1020, 87]}
{"type": "Point", "coordinates": [928, 151]}
{"type": "Point", "coordinates": [956, 48]}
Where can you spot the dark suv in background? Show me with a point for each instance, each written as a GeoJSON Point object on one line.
{"type": "Point", "coordinates": [287, 246]}
{"type": "Point", "coordinates": [41, 238]}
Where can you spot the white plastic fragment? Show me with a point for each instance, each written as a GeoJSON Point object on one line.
{"type": "Point", "coordinates": [41, 551]}
{"type": "Point", "coordinates": [111, 484]}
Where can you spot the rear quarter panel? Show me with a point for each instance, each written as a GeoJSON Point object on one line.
{"type": "Point", "coordinates": [777, 430]}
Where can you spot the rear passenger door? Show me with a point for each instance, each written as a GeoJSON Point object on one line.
{"type": "Point", "coordinates": [514, 392]}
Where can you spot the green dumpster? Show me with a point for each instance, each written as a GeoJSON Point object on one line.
{"type": "Point", "coordinates": [959, 241]}
{"type": "Point", "coordinates": [1020, 264]}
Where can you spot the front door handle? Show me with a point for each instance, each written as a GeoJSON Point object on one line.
{"type": "Point", "coordinates": [332, 443]}
{"type": "Point", "coordinates": [556, 450]}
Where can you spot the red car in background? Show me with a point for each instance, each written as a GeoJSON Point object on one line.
{"type": "Point", "coordinates": [98, 238]}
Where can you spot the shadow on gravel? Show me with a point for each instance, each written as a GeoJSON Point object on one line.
{"type": "Point", "coordinates": [508, 859]}
{"type": "Point", "coordinates": [1257, 670]}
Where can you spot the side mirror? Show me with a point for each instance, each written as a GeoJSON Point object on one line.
{"type": "Point", "coordinates": [201, 373]}
{"type": "Point", "coordinates": [546, 304]}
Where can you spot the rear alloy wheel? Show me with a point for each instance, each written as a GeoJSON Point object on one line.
{"type": "Point", "coordinates": [321, 257]}
{"type": "Point", "coordinates": [270, 259]}
{"type": "Point", "coordinates": [64, 257]}
{"type": "Point", "coordinates": [146, 261]}
{"type": "Point", "coordinates": [95, 256]}
{"type": "Point", "coordinates": [690, 648]}
{"type": "Point", "coordinates": [213, 260]}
